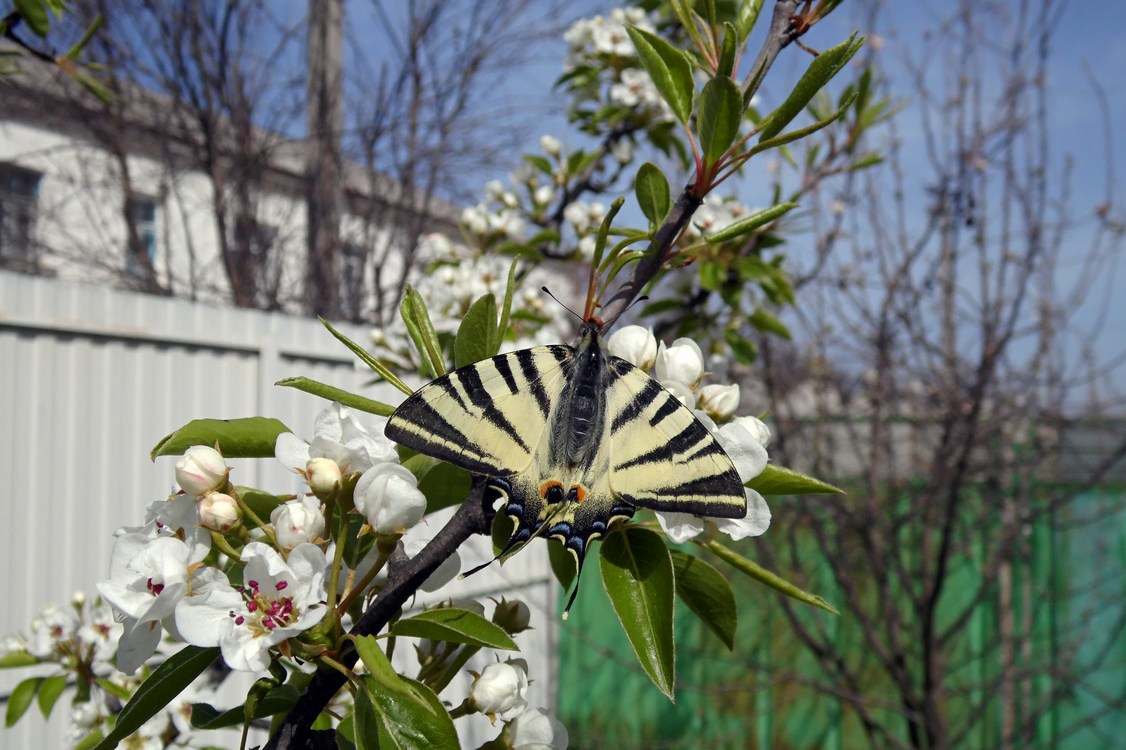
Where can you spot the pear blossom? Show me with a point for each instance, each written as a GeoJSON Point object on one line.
{"type": "Point", "coordinates": [324, 476]}
{"type": "Point", "coordinates": [514, 616]}
{"type": "Point", "coordinates": [499, 690]}
{"type": "Point", "coordinates": [682, 361]}
{"type": "Point", "coordinates": [550, 145]}
{"type": "Point", "coordinates": [219, 511]}
{"type": "Point", "coordinates": [298, 521]}
{"type": "Point", "coordinates": [278, 599]}
{"type": "Point", "coordinates": [389, 497]}
{"type": "Point", "coordinates": [201, 470]}
{"type": "Point", "coordinates": [338, 435]}
{"type": "Point", "coordinates": [53, 626]}
{"type": "Point", "coordinates": [634, 344]}
{"type": "Point", "coordinates": [536, 729]}
{"type": "Point", "coordinates": [684, 393]}
{"type": "Point", "coordinates": [718, 400]}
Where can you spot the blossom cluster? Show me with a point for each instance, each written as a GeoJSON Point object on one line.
{"type": "Point", "coordinates": [603, 68]}
{"type": "Point", "coordinates": [679, 367]}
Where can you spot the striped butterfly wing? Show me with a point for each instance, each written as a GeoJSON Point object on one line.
{"type": "Point", "coordinates": [660, 456]}
{"type": "Point", "coordinates": [488, 417]}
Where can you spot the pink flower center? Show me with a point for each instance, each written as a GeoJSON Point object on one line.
{"type": "Point", "coordinates": [265, 612]}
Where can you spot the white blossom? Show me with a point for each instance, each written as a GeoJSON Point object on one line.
{"type": "Point", "coordinates": [634, 344]}
{"type": "Point", "coordinates": [298, 521]}
{"type": "Point", "coordinates": [219, 511]}
{"type": "Point", "coordinates": [201, 470]}
{"type": "Point", "coordinates": [536, 729]}
{"type": "Point", "coordinates": [388, 496]}
{"type": "Point", "coordinates": [719, 400]}
{"type": "Point", "coordinates": [550, 145]}
{"type": "Point", "coordinates": [682, 361]}
{"type": "Point", "coordinates": [499, 690]}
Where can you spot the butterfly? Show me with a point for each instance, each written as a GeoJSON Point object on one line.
{"type": "Point", "coordinates": [573, 439]}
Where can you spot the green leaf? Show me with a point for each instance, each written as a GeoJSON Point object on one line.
{"type": "Point", "coordinates": [539, 163]}
{"type": "Point", "coordinates": [407, 715]}
{"type": "Point", "coordinates": [162, 686]}
{"type": "Point", "coordinates": [764, 321]}
{"type": "Point", "coordinates": [455, 626]}
{"type": "Point", "coordinates": [778, 480]}
{"type": "Point", "coordinates": [820, 72]}
{"type": "Point", "coordinates": [332, 393]}
{"type": "Point", "coordinates": [638, 575]}
{"type": "Point", "coordinates": [506, 308]}
{"type": "Point", "coordinates": [49, 693]}
{"type": "Point", "coordinates": [34, 14]}
{"type": "Point", "coordinates": [721, 112]}
{"type": "Point", "coordinates": [443, 484]}
{"type": "Point", "coordinates": [746, 17]}
{"type": "Point", "coordinates": [748, 224]}
{"type": "Point", "coordinates": [477, 334]}
{"type": "Point", "coordinates": [762, 575]}
{"type": "Point", "coordinates": [249, 437]}
{"type": "Point", "coordinates": [728, 49]}
{"type": "Point", "coordinates": [744, 349]}
{"type": "Point", "coordinates": [364, 356]}
{"type": "Point", "coordinates": [652, 191]}
{"type": "Point", "coordinates": [794, 135]}
{"type": "Point", "coordinates": [413, 311]}
{"type": "Point", "coordinates": [668, 67]}
{"type": "Point", "coordinates": [279, 700]}
{"type": "Point", "coordinates": [20, 700]}
{"type": "Point", "coordinates": [562, 563]}
{"type": "Point", "coordinates": [262, 503]}
{"type": "Point", "coordinates": [708, 594]}
{"type": "Point", "coordinates": [17, 659]}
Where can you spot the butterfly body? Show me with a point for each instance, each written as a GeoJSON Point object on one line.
{"type": "Point", "coordinates": [573, 439]}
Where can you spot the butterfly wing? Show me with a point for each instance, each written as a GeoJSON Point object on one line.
{"type": "Point", "coordinates": [661, 456]}
{"type": "Point", "coordinates": [488, 417]}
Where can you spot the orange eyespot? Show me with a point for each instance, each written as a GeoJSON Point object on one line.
{"type": "Point", "coordinates": [578, 493]}
{"type": "Point", "coordinates": [552, 491]}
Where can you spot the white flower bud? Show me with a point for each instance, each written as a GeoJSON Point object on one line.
{"type": "Point", "coordinates": [719, 401]}
{"type": "Point", "coordinates": [756, 427]}
{"type": "Point", "coordinates": [513, 616]}
{"type": "Point", "coordinates": [635, 345]}
{"type": "Point", "coordinates": [499, 691]}
{"type": "Point", "coordinates": [682, 362]}
{"type": "Point", "coordinates": [324, 476]}
{"type": "Point", "coordinates": [219, 511]}
{"type": "Point", "coordinates": [622, 151]}
{"type": "Point", "coordinates": [201, 470]}
{"type": "Point", "coordinates": [536, 729]}
{"type": "Point", "coordinates": [298, 521]}
{"type": "Point", "coordinates": [387, 494]}
{"type": "Point", "coordinates": [550, 145]}
{"type": "Point", "coordinates": [543, 195]}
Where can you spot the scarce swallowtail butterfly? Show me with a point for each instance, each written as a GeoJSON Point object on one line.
{"type": "Point", "coordinates": [573, 439]}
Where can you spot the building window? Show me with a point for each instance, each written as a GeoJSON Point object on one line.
{"type": "Point", "coordinates": [144, 222]}
{"type": "Point", "coordinates": [350, 288]}
{"type": "Point", "coordinates": [19, 200]}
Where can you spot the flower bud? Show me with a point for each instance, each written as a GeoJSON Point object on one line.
{"type": "Point", "coordinates": [499, 690]}
{"type": "Point", "coordinates": [219, 512]}
{"type": "Point", "coordinates": [551, 145]}
{"type": "Point", "coordinates": [756, 427]}
{"type": "Point", "coordinates": [682, 362]}
{"type": "Point", "coordinates": [635, 345]}
{"type": "Point", "coordinates": [298, 521]}
{"type": "Point", "coordinates": [201, 470]}
{"type": "Point", "coordinates": [387, 494]}
{"type": "Point", "coordinates": [513, 616]}
{"type": "Point", "coordinates": [719, 401]}
{"type": "Point", "coordinates": [324, 477]}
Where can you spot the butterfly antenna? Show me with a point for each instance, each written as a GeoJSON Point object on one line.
{"type": "Point", "coordinates": [547, 291]}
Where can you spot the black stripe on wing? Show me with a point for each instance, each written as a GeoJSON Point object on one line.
{"type": "Point", "coordinates": [470, 379]}
{"type": "Point", "coordinates": [425, 430]}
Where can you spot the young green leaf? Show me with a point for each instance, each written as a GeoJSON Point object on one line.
{"type": "Point", "coordinates": [34, 14]}
{"type": "Point", "coordinates": [332, 393]}
{"type": "Point", "coordinates": [506, 308]}
{"type": "Point", "coordinates": [365, 357]}
{"type": "Point", "coordinates": [414, 314]}
{"type": "Point", "coordinates": [669, 68]}
{"type": "Point", "coordinates": [748, 224]}
{"type": "Point", "coordinates": [762, 575]}
{"type": "Point", "coordinates": [652, 193]}
{"type": "Point", "coordinates": [820, 72]}
{"type": "Point", "coordinates": [162, 686]}
{"type": "Point", "coordinates": [279, 700]}
{"type": "Point", "coordinates": [764, 321]}
{"type": "Point", "coordinates": [778, 480]}
{"type": "Point", "coordinates": [708, 594]}
{"type": "Point", "coordinates": [49, 693]}
{"type": "Point", "coordinates": [727, 51]}
{"type": "Point", "coordinates": [249, 437]}
{"type": "Point", "coordinates": [455, 626]}
{"type": "Point", "coordinates": [405, 714]}
{"type": "Point", "coordinates": [444, 484]}
{"type": "Point", "coordinates": [721, 112]}
{"type": "Point", "coordinates": [477, 334]}
{"type": "Point", "coordinates": [794, 135]}
{"type": "Point", "coordinates": [17, 659]}
{"type": "Point", "coordinates": [20, 700]}
{"type": "Point", "coordinates": [637, 573]}
{"type": "Point", "coordinates": [746, 17]}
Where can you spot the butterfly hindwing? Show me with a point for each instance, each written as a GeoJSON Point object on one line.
{"type": "Point", "coordinates": [661, 456]}
{"type": "Point", "coordinates": [488, 417]}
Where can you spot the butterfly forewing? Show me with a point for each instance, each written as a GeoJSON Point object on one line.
{"type": "Point", "coordinates": [661, 456]}
{"type": "Point", "coordinates": [488, 417]}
